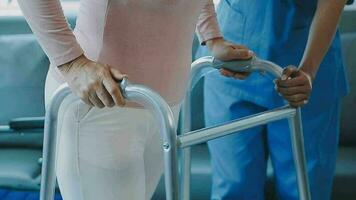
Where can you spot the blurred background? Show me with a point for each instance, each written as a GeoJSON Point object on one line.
{"type": "Point", "coordinates": [23, 67]}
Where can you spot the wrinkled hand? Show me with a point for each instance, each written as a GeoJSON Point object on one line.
{"type": "Point", "coordinates": [295, 86]}
{"type": "Point", "coordinates": [226, 51]}
{"type": "Point", "coordinates": [94, 83]}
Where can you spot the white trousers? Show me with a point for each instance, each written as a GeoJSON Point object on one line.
{"type": "Point", "coordinates": [106, 154]}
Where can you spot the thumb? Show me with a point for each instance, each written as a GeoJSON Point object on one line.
{"type": "Point", "coordinates": [288, 72]}
{"type": "Point", "coordinates": [116, 74]}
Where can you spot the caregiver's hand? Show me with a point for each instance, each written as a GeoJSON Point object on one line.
{"type": "Point", "coordinates": [94, 83]}
{"type": "Point", "coordinates": [295, 86]}
{"type": "Point", "coordinates": [225, 51]}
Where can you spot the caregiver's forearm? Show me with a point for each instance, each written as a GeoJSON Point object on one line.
{"type": "Point", "coordinates": [207, 26]}
{"type": "Point", "coordinates": [47, 21]}
{"type": "Point", "coordinates": [321, 34]}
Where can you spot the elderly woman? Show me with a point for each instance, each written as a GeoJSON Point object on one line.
{"type": "Point", "coordinates": [114, 152]}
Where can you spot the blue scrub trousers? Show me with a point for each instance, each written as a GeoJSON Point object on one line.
{"type": "Point", "coordinates": [239, 161]}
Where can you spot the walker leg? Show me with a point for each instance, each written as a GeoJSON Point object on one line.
{"type": "Point", "coordinates": [48, 175]}
{"type": "Point", "coordinates": [48, 178]}
{"type": "Point", "coordinates": [171, 178]}
{"type": "Point", "coordinates": [185, 173]}
{"type": "Point", "coordinates": [297, 141]}
{"type": "Point", "coordinates": [185, 153]}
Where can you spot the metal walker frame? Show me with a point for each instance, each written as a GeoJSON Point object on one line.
{"type": "Point", "coordinates": [177, 174]}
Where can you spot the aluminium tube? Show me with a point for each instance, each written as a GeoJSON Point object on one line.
{"type": "Point", "coordinates": [297, 140]}
{"type": "Point", "coordinates": [48, 177]}
{"type": "Point", "coordinates": [296, 131]}
{"type": "Point", "coordinates": [199, 68]}
{"type": "Point", "coordinates": [136, 93]}
{"type": "Point", "coordinates": [210, 133]}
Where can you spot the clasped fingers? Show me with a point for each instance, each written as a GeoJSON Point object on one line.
{"type": "Point", "coordinates": [295, 86]}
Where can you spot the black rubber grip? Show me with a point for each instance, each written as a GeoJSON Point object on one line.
{"type": "Point", "coordinates": [234, 66]}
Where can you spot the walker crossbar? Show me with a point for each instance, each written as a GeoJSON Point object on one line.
{"type": "Point", "coordinates": [203, 135]}
{"type": "Point", "coordinates": [199, 69]}
{"type": "Point", "coordinates": [136, 93]}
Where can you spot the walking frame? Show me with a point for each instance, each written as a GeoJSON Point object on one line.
{"type": "Point", "coordinates": [176, 148]}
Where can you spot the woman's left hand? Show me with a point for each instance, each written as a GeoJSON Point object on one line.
{"type": "Point", "coordinates": [226, 51]}
{"type": "Point", "coordinates": [295, 86]}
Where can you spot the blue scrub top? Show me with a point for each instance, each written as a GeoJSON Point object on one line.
{"type": "Point", "coordinates": [277, 30]}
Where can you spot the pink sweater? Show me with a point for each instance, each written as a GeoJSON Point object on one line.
{"type": "Point", "coordinates": [149, 40]}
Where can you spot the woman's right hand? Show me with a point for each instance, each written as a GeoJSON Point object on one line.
{"type": "Point", "coordinates": [95, 84]}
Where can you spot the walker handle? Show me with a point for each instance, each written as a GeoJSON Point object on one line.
{"type": "Point", "coordinates": [250, 65]}
{"type": "Point", "coordinates": [234, 65]}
